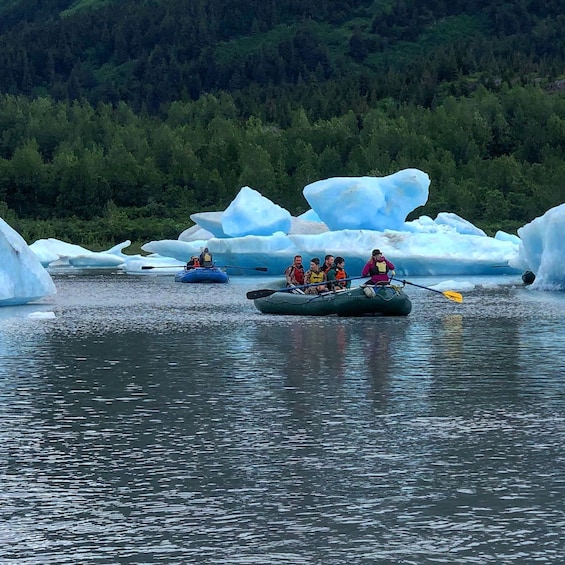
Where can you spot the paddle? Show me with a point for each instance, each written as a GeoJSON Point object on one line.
{"type": "Point", "coordinates": [145, 267]}
{"type": "Point", "coordinates": [264, 292]}
{"type": "Point", "coordinates": [262, 269]}
{"type": "Point", "coordinates": [455, 296]}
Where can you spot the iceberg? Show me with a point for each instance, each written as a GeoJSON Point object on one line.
{"type": "Point", "coordinates": [210, 222]}
{"type": "Point", "coordinates": [348, 217]}
{"type": "Point", "coordinates": [414, 254]}
{"type": "Point", "coordinates": [250, 213]}
{"type": "Point", "coordinates": [56, 253]}
{"type": "Point", "coordinates": [23, 278]}
{"type": "Point", "coordinates": [540, 250]}
{"type": "Point", "coordinates": [368, 202]}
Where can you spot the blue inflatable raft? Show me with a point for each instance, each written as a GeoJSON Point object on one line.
{"type": "Point", "coordinates": [202, 275]}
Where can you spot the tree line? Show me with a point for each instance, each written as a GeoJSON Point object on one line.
{"type": "Point", "coordinates": [495, 159]}
{"type": "Point", "coordinates": [120, 119]}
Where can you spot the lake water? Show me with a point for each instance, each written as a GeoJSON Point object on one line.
{"type": "Point", "coordinates": [157, 422]}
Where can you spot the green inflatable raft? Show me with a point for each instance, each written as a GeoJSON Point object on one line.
{"type": "Point", "coordinates": [386, 300]}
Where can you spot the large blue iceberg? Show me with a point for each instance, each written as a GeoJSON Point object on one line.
{"type": "Point", "coordinates": [348, 217]}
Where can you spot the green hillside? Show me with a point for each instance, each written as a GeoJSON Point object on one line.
{"type": "Point", "coordinates": [144, 112]}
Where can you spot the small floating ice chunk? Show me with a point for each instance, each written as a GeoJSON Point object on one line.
{"type": "Point", "coordinates": [41, 315]}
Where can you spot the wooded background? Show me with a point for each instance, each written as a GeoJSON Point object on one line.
{"type": "Point", "coordinates": [118, 119]}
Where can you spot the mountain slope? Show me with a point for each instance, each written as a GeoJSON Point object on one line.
{"type": "Point", "coordinates": [150, 53]}
{"type": "Point", "coordinates": [119, 119]}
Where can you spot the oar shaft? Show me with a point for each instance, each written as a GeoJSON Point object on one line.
{"type": "Point", "coordinates": [145, 267]}
{"type": "Point", "coordinates": [262, 269]}
{"type": "Point", "coordinates": [418, 285]}
{"type": "Point", "coordinates": [263, 293]}
{"type": "Point", "coordinates": [455, 296]}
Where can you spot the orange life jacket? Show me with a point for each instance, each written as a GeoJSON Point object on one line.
{"type": "Point", "coordinates": [340, 274]}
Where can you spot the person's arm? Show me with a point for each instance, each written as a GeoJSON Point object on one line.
{"type": "Point", "coordinates": [287, 274]}
{"type": "Point", "coordinates": [366, 269]}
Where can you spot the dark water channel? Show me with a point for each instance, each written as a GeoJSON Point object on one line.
{"type": "Point", "coordinates": [155, 422]}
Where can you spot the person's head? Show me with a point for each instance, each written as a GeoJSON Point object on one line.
{"type": "Point", "coordinates": [298, 260]}
{"type": "Point", "coordinates": [206, 250]}
{"type": "Point", "coordinates": [377, 254]}
{"type": "Point", "coordinates": [194, 258]}
{"type": "Point", "coordinates": [329, 259]}
{"type": "Point", "coordinates": [339, 262]}
{"type": "Point", "coordinates": [315, 264]}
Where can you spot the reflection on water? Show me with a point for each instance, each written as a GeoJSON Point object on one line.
{"type": "Point", "coordinates": [154, 422]}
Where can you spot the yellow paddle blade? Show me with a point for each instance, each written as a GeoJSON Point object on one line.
{"type": "Point", "coordinates": [455, 296]}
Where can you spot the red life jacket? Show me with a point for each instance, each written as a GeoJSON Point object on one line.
{"type": "Point", "coordinates": [298, 274]}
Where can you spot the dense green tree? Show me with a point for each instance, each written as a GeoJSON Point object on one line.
{"type": "Point", "coordinates": [140, 113]}
{"type": "Point", "coordinates": [26, 177]}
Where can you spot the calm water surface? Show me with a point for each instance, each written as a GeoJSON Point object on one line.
{"type": "Point", "coordinates": [158, 422]}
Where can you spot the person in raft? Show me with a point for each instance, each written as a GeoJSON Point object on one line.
{"type": "Point", "coordinates": [294, 274]}
{"type": "Point", "coordinates": [328, 263]}
{"type": "Point", "coordinates": [315, 276]}
{"type": "Point", "coordinates": [336, 275]}
{"type": "Point", "coordinates": [193, 263]}
{"type": "Point", "coordinates": [205, 258]}
{"type": "Point", "coordinates": [378, 267]}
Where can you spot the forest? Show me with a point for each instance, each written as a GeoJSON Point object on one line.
{"type": "Point", "coordinates": [120, 119]}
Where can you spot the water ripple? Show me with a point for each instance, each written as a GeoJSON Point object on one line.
{"type": "Point", "coordinates": [154, 423]}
